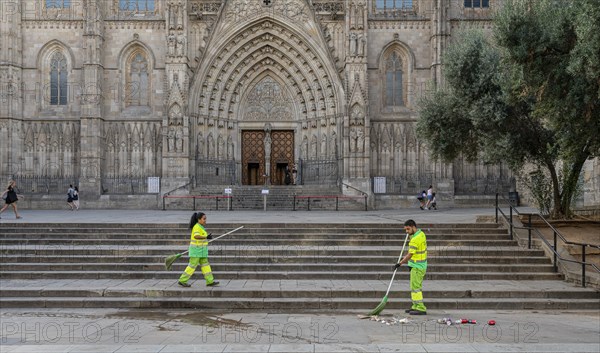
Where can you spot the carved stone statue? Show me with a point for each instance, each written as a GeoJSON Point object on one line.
{"type": "Point", "coordinates": [267, 142]}
{"type": "Point", "coordinates": [361, 46]}
{"type": "Point", "coordinates": [171, 140]}
{"type": "Point", "coordinates": [179, 139]}
{"type": "Point", "coordinates": [180, 45]}
{"type": "Point", "coordinates": [171, 44]}
{"type": "Point", "coordinates": [353, 44]}
{"type": "Point", "coordinates": [360, 140]}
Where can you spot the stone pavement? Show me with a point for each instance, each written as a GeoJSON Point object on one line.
{"type": "Point", "coordinates": [100, 330]}
{"type": "Point", "coordinates": [456, 215]}
{"type": "Point", "coordinates": [122, 330]}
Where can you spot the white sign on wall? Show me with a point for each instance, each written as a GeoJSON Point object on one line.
{"type": "Point", "coordinates": [153, 185]}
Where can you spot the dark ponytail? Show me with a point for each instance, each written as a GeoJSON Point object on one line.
{"type": "Point", "coordinates": [195, 217]}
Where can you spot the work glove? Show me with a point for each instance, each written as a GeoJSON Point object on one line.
{"type": "Point", "coordinates": [396, 266]}
{"type": "Point", "coordinates": [209, 237]}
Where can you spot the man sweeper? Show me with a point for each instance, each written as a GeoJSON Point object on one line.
{"type": "Point", "coordinates": [417, 262]}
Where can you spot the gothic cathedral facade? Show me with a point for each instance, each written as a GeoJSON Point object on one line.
{"type": "Point", "coordinates": [230, 92]}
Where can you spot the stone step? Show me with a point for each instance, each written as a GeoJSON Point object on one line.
{"type": "Point", "coordinates": [195, 292]}
{"type": "Point", "coordinates": [152, 238]}
{"type": "Point", "coordinates": [295, 304]}
{"type": "Point", "coordinates": [261, 251]}
{"type": "Point", "coordinates": [150, 259]}
{"type": "Point", "coordinates": [9, 227]}
{"type": "Point", "coordinates": [264, 275]}
{"type": "Point", "coordinates": [259, 242]}
{"type": "Point", "coordinates": [332, 269]}
{"type": "Point", "coordinates": [334, 232]}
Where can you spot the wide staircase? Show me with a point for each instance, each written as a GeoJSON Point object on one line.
{"type": "Point", "coordinates": [277, 268]}
{"type": "Point", "coordinates": [279, 197]}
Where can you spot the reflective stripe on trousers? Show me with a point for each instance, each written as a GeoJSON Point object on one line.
{"type": "Point", "coordinates": [191, 268]}
{"type": "Point", "coordinates": [416, 285]}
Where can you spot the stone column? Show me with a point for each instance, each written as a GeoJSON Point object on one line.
{"type": "Point", "coordinates": [92, 143]}
{"type": "Point", "coordinates": [176, 123]}
{"type": "Point", "coordinates": [11, 89]}
{"type": "Point", "coordinates": [356, 145]}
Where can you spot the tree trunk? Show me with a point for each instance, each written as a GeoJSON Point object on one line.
{"type": "Point", "coordinates": [557, 211]}
{"type": "Point", "coordinates": [570, 183]}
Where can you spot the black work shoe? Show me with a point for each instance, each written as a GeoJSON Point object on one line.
{"type": "Point", "coordinates": [215, 283]}
{"type": "Point", "coordinates": [408, 310]}
{"type": "Point", "coordinates": [184, 284]}
{"type": "Point", "coordinates": [417, 312]}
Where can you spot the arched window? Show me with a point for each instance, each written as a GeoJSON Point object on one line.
{"type": "Point", "coordinates": [136, 5]}
{"type": "Point", "coordinates": [475, 4]}
{"type": "Point", "coordinates": [394, 4]}
{"type": "Point", "coordinates": [58, 79]}
{"type": "Point", "coordinates": [137, 81]}
{"type": "Point", "coordinates": [58, 4]}
{"type": "Point", "coordinates": [393, 81]}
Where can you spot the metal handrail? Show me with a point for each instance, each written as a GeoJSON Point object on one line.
{"type": "Point", "coordinates": [168, 193]}
{"type": "Point", "coordinates": [337, 198]}
{"type": "Point", "coordinates": [194, 197]}
{"type": "Point", "coordinates": [353, 188]}
{"type": "Point", "coordinates": [553, 247]}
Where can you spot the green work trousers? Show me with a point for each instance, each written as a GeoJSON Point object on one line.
{"type": "Point", "coordinates": [191, 268]}
{"type": "Point", "coordinates": [416, 286]}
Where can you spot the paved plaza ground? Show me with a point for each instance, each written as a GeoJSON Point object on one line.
{"type": "Point", "coordinates": [121, 330]}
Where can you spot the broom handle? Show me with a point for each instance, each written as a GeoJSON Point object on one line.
{"type": "Point", "coordinates": [220, 236]}
{"type": "Point", "coordinates": [399, 258]}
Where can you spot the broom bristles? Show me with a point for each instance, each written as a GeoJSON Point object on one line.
{"type": "Point", "coordinates": [170, 260]}
{"type": "Point", "coordinates": [379, 307]}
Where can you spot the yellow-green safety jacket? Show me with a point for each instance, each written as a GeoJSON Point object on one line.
{"type": "Point", "coordinates": [418, 248]}
{"type": "Point", "coordinates": [198, 247]}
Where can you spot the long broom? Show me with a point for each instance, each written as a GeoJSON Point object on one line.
{"type": "Point", "coordinates": [171, 259]}
{"type": "Point", "coordinates": [381, 305]}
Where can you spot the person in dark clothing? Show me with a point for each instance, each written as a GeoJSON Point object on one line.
{"type": "Point", "coordinates": [11, 198]}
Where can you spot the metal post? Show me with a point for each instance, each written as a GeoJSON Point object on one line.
{"type": "Point", "coordinates": [229, 203]}
{"type": "Point", "coordinates": [555, 254]}
{"type": "Point", "coordinates": [583, 265]}
{"type": "Point", "coordinates": [496, 208]}
{"type": "Point", "coordinates": [265, 202]}
{"type": "Point", "coordinates": [366, 208]}
{"type": "Point", "coordinates": [217, 198]}
{"type": "Point", "coordinates": [194, 198]}
{"type": "Point", "coordinates": [336, 203]}
{"type": "Point", "coordinates": [529, 231]}
{"type": "Point", "coordinates": [164, 203]}
{"type": "Point", "coordinates": [308, 205]}
{"type": "Point", "coordinates": [511, 221]}
{"type": "Point", "coordinates": [294, 205]}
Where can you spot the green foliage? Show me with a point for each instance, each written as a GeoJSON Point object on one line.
{"type": "Point", "coordinates": [528, 94]}
{"type": "Point", "coordinates": [539, 184]}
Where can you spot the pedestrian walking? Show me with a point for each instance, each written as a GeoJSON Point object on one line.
{"type": "Point", "coordinates": [416, 259]}
{"type": "Point", "coordinates": [422, 197]}
{"type": "Point", "coordinates": [76, 198]}
{"type": "Point", "coordinates": [429, 197]}
{"type": "Point", "coordinates": [11, 197]}
{"type": "Point", "coordinates": [70, 197]}
{"type": "Point", "coordinates": [198, 252]}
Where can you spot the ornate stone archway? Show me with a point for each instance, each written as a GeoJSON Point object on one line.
{"type": "Point", "coordinates": [267, 68]}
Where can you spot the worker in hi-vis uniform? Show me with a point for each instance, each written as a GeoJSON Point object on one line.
{"type": "Point", "coordinates": [417, 261]}
{"type": "Point", "coordinates": [198, 252]}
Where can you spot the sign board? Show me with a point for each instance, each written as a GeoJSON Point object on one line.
{"type": "Point", "coordinates": [265, 192]}
{"type": "Point", "coordinates": [228, 191]}
{"type": "Point", "coordinates": [379, 185]}
{"type": "Point", "coordinates": [153, 185]}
